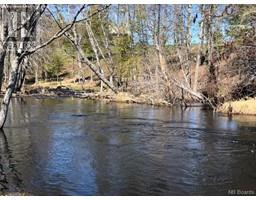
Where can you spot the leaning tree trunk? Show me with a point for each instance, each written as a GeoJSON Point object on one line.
{"type": "Point", "coordinates": [10, 88]}
{"type": "Point", "coordinates": [20, 78]}
{"type": "Point", "coordinates": [94, 69]}
{"type": "Point", "coordinates": [85, 60]}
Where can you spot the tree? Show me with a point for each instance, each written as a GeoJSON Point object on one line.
{"type": "Point", "coordinates": [78, 47]}
{"type": "Point", "coordinates": [4, 39]}
{"type": "Point", "coordinates": [55, 65]}
{"type": "Point", "coordinates": [21, 47]}
{"type": "Point", "coordinates": [200, 48]}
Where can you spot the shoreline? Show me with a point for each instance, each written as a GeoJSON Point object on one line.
{"type": "Point", "coordinates": [240, 107]}
{"type": "Point", "coordinates": [108, 97]}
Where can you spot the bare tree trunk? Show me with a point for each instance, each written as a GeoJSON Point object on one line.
{"type": "Point", "coordinates": [94, 69]}
{"type": "Point", "coordinates": [95, 48]}
{"type": "Point", "coordinates": [80, 73]}
{"type": "Point", "coordinates": [10, 88]}
{"type": "Point", "coordinates": [2, 59]}
{"type": "Point", "coordinates": [159, 43]}
{"type": "Point", "coordinates": [106, 44]}
{"type": "Point", "coordinates": [20, 79]}
{"type": "Point", "coordinates": [85, 60]}
{"type": "Point", "coordinates": [212, 68]}
{"type": "Point", "coordinates": [78, 39]}
{"type": "Point", "coordinates": [199, 54]}
{"type": "Point", "coordinates": [162, 60]}
{"type": "Point", "coordinates": [7, 66]}
{"type": "Point", "coordinates": [3, 41]}
{"type": "Point", "coordinates": [101, 82]}
{"type": "Point", "coordinates": [36, 73]}
{"type": "Point", "coordinates": [21, 75]}
{"type": "Point", "coordinates": [91, 76]}
{"type": "Point", "coordinates": [188, 39]}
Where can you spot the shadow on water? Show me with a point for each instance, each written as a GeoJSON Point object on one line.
{"type": "Point", "coordinates": [9, 179]}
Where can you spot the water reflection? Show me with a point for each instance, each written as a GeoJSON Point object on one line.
{"type": "Point", "coordinates": [9, 179]}
{"type": "Point", "coordinates": [78, 147]}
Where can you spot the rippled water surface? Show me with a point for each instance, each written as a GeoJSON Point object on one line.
{"type": "Point", "coordinates": [79, 147]}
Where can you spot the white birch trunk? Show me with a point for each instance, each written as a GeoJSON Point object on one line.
{"type": "Point", "coordinates": [10, 88]}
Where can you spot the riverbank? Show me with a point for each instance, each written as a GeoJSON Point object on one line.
{"type": "Point", "coordinates": [90, 92]}
{"type": "Point", "coordinates": [240, 107]}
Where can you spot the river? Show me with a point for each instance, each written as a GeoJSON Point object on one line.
{"type": "Point", "coordinates": [72, 146]}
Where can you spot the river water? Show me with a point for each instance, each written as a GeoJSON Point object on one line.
{"type": "Point", "coordinates": [72, 146]}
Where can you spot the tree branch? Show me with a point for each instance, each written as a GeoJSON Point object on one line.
{"type": "Point", "coordinates": [57, 35]}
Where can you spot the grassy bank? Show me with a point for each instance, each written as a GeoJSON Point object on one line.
{"type": "Point", "coordinates": [245, 107]}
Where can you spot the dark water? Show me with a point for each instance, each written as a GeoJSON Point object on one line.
{"type": "Point", "coordinates": [78, 147]}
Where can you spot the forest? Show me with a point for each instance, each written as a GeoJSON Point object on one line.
{"type": "Point", "coordinates": [154, 54]}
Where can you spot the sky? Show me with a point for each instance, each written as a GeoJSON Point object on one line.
{"type": "Point", "coordinates": [65, 9]}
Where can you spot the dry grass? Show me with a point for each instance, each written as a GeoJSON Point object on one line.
{"type": "Point", "coordinates": [67, 83]}
{"type": "Point", "coordinates": [126, 97]}
{"type": "Point", "coordinates": [246, 107]}
{"type": "Point", "coordinates": [123, 97]}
